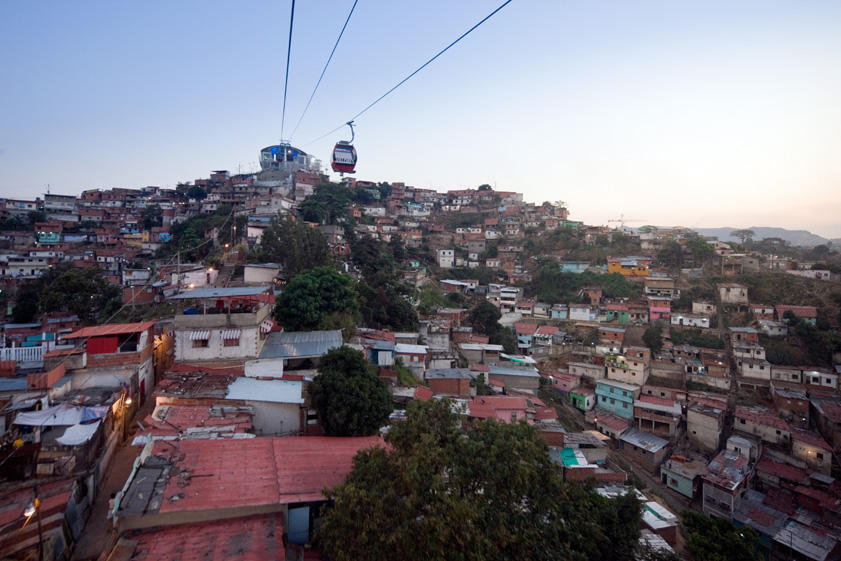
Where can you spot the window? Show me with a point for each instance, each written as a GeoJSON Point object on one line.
{"type": "Point", "coordinates": [200, 344]}
{"type": "Point", "coordinates": [742, 421]}
{"type": "Point", "coordinates": [611, 390]}
{"type": "Point", "coordinates": [612, 401]}
{"type": "Point", "coordinates": [820, 456]}
{"type": "Point", "coordinates": [828, 380]}
{"type": "Point", "coordinates": [624, 406]}
{"type": "Point", "coordinates": [231, 342]}
{"type": "Point", "coordinates": [778, 432]}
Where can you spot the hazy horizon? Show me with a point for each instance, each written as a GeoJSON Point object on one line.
{"type": "Point", "coordinates": [707, 115]}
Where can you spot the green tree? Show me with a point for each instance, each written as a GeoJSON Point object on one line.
{"type": "Point", "coordinates": [152, 216]}
{"type": "Point", "coordinates": [314, 298]}
{"type": "Point", "coordinates": [700, 248]}
{"type": "Point", "coordinates": [349, 398]}
{"type": "Point", "coordinates": [483, 491]}
{"type": "Point", "coordinates": [717, 539]}
{"type": "Point", "coordinates": [743, 234]}
{"type": "Point", "coordinates": [671, 254]}
{"type": "Point", "coordinates": [196, 192]}
{"type": "Point", "coordinates": [26, 301]}
{"type": "Point", "coordinates": [82, 291]}
{"type": "Point", "coordinates": [294, 245]}
{"type": "Point", "coordinates": [327, 204]}
{"type": "Point", "coordinates": [484, 317]}
{"type": "Point", "coordinates": [653, 337]}
{"type": "Point", "coordinates": [506, 337]}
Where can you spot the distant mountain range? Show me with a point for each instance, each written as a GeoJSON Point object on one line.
{"type": "Point", "coordinates": [802, 238]}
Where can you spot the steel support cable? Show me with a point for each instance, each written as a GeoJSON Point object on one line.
{"type": "Point", "coordinates": [421, 67]}
{"type": "Point", "coordinates": [324, 70]}
{"type": "Point", "coordinates": [286, 80]}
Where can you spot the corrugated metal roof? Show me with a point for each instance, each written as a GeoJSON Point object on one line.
{"type": "Point", "coordinates": [274, 391]}
{"type": "Point", "coordinates": [111, 329]}
{"type": "Point", "coordinates": [256, 538]}
{"type": "Point", "coordinates": [300, 344]}
{"type": "Point", "coordinates": [496, 370]}
{"type": "Point", "coordinates": [644, 440]}
{"type": "Point", "coordinates": [221, 292]}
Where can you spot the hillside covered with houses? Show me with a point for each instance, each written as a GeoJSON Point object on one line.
{"type": "Point", "coordinates": [183, 340]}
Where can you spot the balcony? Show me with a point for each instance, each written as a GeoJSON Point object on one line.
{"type": "Point", "coordinates": [196, 318]}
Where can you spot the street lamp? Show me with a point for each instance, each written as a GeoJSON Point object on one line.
{"type": "Point", "coordinates": [33, 509]}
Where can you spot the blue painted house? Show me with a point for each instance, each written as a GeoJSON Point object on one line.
{"type": "Point", "coordinates": [617, 397]}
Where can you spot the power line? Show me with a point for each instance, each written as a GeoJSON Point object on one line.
{"type": "Point", "coordinates": [421, 67]}
{"type": "Point", "coordinates": [324, 70]}
{"type": "Point", "coordinates": [286, 80]}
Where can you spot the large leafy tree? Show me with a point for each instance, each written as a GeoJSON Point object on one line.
{"type": "Point", "coordinates": [327, 204]}
{"type": "Point", "coordinates": [384, 298]}
{"type": "Point", "coordinates": [484, 317]}
{"type": "Point", "coordinates": [294, 245]}
{"type": "Point", "coordinates": [484, 491]}
{"type": "Point", "coordinates": [316, 299]}
{"type": "Point", "coordinates": [653, 337]}
{"type": "Point", "coordinates": [82, 291]}
{"type": "Point", "coordinates": [349, 398]}
{"type": "Point", "coordinates": [717, 539]}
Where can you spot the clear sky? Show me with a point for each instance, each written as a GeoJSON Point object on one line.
{"type": "Point", "coordinates": [713, 113]}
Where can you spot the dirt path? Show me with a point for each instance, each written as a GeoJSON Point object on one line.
{"type": "Point", "coordinates": [98, 535]}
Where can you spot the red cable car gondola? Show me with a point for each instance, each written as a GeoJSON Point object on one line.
{"type": "Point", "coordinates": [344, 154]}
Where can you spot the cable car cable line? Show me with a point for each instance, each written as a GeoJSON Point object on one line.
{"type": "Point", "coordinates": [286, 80]}
{"type": "Point", "coordinates": [421, 67]}
{"type": "Point", "coordinates": [318, 83]}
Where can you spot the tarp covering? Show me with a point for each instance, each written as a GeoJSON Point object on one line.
{"type": "Point", "coordinates": [58, 415]}
{"type": "Point", "coordinates": [78, 434]}
{"type": "Point", "coordinates": [97, 412]}
{"type": "Point", "coordinates": [62, 414]}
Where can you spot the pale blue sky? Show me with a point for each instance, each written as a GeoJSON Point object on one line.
{"type": "Point", "coordinates": [707, 113]}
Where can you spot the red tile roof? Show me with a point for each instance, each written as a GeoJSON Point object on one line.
{"type": "Point", "coordinates": [545, 413]}
{"type": "Point", "coordinates": [799, 311]}
{"type": "Point", "coordinates": [546, 330]}
{"type": "Point", "coordinates": [810, 437]}
{"type": "Point", "coordinates": [498, 407]}
{"type": "Point", "coordinates": [423, 393]}
{"type": "Point", "coordinates": [111, 329]}
{"type": "Point", "coordinates": [525, 328]}
{"type": "Point", "coordinates": [611, 421]}
{"type": "Point", "coordinates": [761, 417]}
{"type": "Point", "coordinates": [781, 470]}
{"type": "Point", "coordinates": [657, 400]}
{"type": "Point", "coordinates": [255, 538]}
{"type": "Point", "coordinates": [255, 471]}
{"type": "Point", "coordinates": [175, 419]}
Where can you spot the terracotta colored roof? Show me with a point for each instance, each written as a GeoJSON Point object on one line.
{"type": "Point", "coordinates": [799, 311]}
{"type": "Point", "coordinates": [525, 328]}
{"type": "Point", "coordinates": [499, 407]}
{"type": "Point", "coordinates": [825, 499]}
{"type": "Point", "coordinates": [657, 400]}
{"type": "Point", "coordinates": [111, 329]}
{"type": "Point", "coordinates": [581, 390]}
{"type": "Point", "coordinates": [612, 421]}
{"type": "Point", "coordinates": [781, 470]}
{"type": "Point", "coordinates": [761, 417]}
{"type": "Point", "coordinates": [547, 330]}
{"type": "Point", "coordinates": [423, 393]}
{"type": "Point", "coordinates": [175, 419]}
{"type": "Point", "coordinates": [252, 472]}
{"type": "Point", "coordinates": [255, 538]}
{"type": "Point", "coordinates": [810, 437]}
{"type": "Point", "coordinates": [545, 413]}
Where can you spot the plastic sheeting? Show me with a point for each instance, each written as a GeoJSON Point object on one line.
{"type": "Point", "coordinates": [97, 412]}
{"type": "Point", "coordinates": [52, 416]}
{"type": "Point", "coordinates": [78, 434]}
{"type": "Point", "coordinates": [62, 414]}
